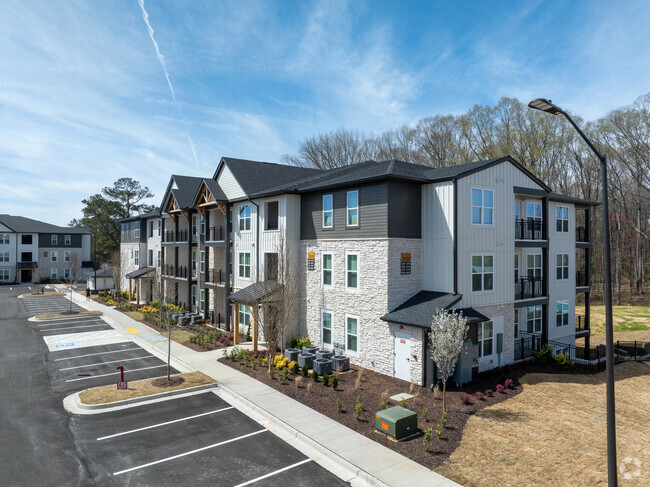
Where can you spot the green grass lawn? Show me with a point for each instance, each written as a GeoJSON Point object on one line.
{"type": "Point", "coordinates": [626, 319]}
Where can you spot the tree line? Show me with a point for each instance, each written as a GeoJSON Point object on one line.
{"type": "Point", "coordinates": [546, 145]}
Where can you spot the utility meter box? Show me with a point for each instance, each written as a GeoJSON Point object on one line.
{"type": "Point", "coordinates": [396, 422]}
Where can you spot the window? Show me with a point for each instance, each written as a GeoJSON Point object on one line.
{"type": "Point", "coordinates": [54, 273]}
{"type": "Point", "coordinates": [245, 265]}
{"type": "Point", "coordinates": [562, 266]}
{"type": "Point", "coordinates": [485, 338]}
{"type": "Point", "coordinates": [194, 225]}
{"type": "Point", "coordinates": [534, 211]}
{"type": "Point", "coordinates": [202, 300]}
{"type": "Point", "coordinates": [26, 257]}
{"type": "Point", "coordinates": [482, 273]}
{"type": "Point", "coordinates": [202, 261]}
{"type": "Point", "coordinates": [328, 211]}
{"type": "Point", "coordinates": [4, 275]}
{"type": "Point", "coordinates": [562, 218]}
{"type": "Point", "coordinates": [4, 239]}
{"type": "Point", "coordinates": [136, 257]}
{"type": "Point", "coordinates": [244, 317]}
{"type": "Point", "coordinates": [326, 327]}
{"type": "Point", "coordinates": [353, 209]}
{"type": "Point", "coordinates": [4, 256]}
{"type": "Point", "coordinates": [516, 210]}
{"type": "Point", "coordinates": [352, 271]}
{"type": "Point", "coordinates": [66, 273]}
{"type": "Point", "coordinates": [54, 240]}
{"type": "Point", "coordinates": [271, 215]}
{"type": "Point", "coordinates": [202, 225]}
{"type": "Point", "coordinates": [482, 206]}
{"type": "Point", "coordinates": [271, 265]}
{"type": "Point", "coordinates": [151, 228]}
{"type": "Point", "coordinates": [159, 258]}
{"type": "Point", "coordinates": [351, 333]}
{"type": "Point", "coordinates": [150, 255]}
{"type": "Point", "coordinates": [136, 230]}
{"type": "Point", "coordinates": [561, 313]}
{"type": "Point", "coordinates": [534, 319]}
{"type": "Point", "coordinates": [54, 256]}
{"type": "Point", "coordinates": [67, 240]}
{"type": "Point", "coordinates": [24, 239]}
{"type": "Point", "coordinates": [193, 295]}
{"type": "Point", "coordinates": [516, 268]}
{"type": "Point", "coordinates": [244, 218]}
{"type": "Point", "coordinates": [534, 266]}
{"type": "Point", "coordinates": [66, 256]}
{"type": "Point", "coordinates": [516, 322]}
{"type": "Point", "coordinates": [159, 226]}
{"type": "Point", "coordinates": [328, 261]}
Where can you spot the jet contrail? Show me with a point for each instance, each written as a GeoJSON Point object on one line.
{"type": "Point", "coordinates": [161, 58]}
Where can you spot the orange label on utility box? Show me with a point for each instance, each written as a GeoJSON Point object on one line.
{"type": "Point", "coordinates": [384, 426]}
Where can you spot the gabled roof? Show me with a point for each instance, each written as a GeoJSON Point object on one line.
{"type": "Point", "coordinates": [20, 224]}
{"type": "Point", "coordinates": [143, 216]}
{"type": "Point", "coordinates": [213, 188]}
{"type": "Point", "coordinates": [254, 293]}
{"type": "Point", "coordinates": [183, 189]}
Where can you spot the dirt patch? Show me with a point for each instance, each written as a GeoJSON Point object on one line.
{"type": "Point", "coordinates": [145, 387]}
{"type": "Point", "coordinates": [68, 313]}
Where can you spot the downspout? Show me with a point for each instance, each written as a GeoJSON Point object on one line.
{"type": "Point", "coordinates": [455, 238]}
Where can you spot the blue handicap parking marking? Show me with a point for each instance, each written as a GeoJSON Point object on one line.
{"type": "Point", "coordinates": [64, 345]}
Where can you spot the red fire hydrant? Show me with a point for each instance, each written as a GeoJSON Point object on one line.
{"type": "Point", "coordinates": [122, 384]}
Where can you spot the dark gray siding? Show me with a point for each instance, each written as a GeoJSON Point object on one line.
{"type": "Point", "coordinates": [45, 240]}
{"type": "Point", "coordinates": [373, 213]}
{"type": "Point", "coordinates": [404, 209]}
{"type": "Point", "coordinates": [128, 232]}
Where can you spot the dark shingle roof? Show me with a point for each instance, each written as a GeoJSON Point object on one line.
{"type": "Point", "coordinates": [20, 224]}
{"type": "Point", "coordinates": [143, 216]}
{"type": "Point", "coordinates": [143, 272]}
{"type": "Point", "coordinates": [184, 189]}
{"type": "Point", "coordinates": [253, 293]}
{"type": "Point", "coordinates": [215, 189]}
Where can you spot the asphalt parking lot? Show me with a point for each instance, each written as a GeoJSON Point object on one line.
{"type": "Point", "coordinates": [38, 305]}
{"type": "Point", "coordinates": [198, 439]}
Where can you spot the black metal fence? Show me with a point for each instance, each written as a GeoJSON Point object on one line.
{"type": "Point", "coordinates": [216, 276]}
{"type": "Point", "coordinates": [528, 229]}
{"type": "Point", "coordinates": [581, 234]}
{"type": "Point", "coordinates": [216, 234]}
{"type": "Point", "coordinates": [581, 278]}
{"type": "Point", "coordinates": [529, 287]}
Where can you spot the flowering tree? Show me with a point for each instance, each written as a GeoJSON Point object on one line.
{"type": "Point", "coordinates": [448, 331]}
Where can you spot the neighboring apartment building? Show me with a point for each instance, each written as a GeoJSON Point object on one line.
{"type": "Point", "coordinates": [378, 247]}
{"type": "Point", "coordinates": [32, 250]}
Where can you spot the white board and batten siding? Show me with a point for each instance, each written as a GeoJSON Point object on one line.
{"type": "Point", "coordinates": [497, 239]}
{"type": "Point", "coordinates": [438, 236]}
{"type": "Point", "coordinates": [229, 184]}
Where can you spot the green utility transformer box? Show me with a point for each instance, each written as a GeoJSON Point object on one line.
{"type": "Point", "coordinates": [397, 422]}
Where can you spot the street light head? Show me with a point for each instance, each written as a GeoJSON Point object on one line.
{"type": "Point", "coordinates": [544, 105]}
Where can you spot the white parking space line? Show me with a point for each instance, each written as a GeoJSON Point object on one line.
{"type": "Point", "coordinates": [274, 473]}
{"type": "Point", "coordinates": [189, 452]}
{"type": "Point", "coordinates": [69, 323]}
{"type": "Point", "coordinates": [165, 423]}
{"type": "Point", "coordinates": [115, 373]}
{"type": "Point", "coordinates": [97, 353]}
{"type": "Point", "coordinates": [110, 362]}
{"type": "Point", "coordinates": [78, 326]}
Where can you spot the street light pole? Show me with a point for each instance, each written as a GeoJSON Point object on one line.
{"type": "Point", "coordinates": [546, 106]}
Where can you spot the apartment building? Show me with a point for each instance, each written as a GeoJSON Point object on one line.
{"type": "Point", "coordinates": [378, 247]}
{"type": "Point", "coordinates": [31, 250]}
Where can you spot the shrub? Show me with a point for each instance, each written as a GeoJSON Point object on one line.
{"type": "Point", "coordinates": [383, 405]}
{"type": "Point", "coordinates": [335, 382]}
{"type": "Point", "coordinates": [466, 398]}
{"type": "Point", "coordinates": [339, 405]}
{"type": "Point", "coordinates": [155, 304]}
{"type": "Point", "coordinates": [426, 440]}
{"type": "Point", "coordinates": [479, 395]}
{"type": "Point", "coordinates": [305, 371]}
{"type": "Point", "coordinates": [544, 356]}
{"type": "Point", "coordinates": [509, 383]}
{"type": "Point", "coordinates": [125, 294]}
{"type": "Point", "coordinates": [284, 374]}
{"type": "Point", "coordinates": [358, 407]}
{"type": "Point", "coordinates": [314, 376]}
{"type": "Point", "coordinates": [489, 393]}
{"type": "Point", "coordinates": [248, 334]}
{"type": "Point", "coordinates": [325, 380]}
{"type": "Point", "coordinates": [501, 389]}
{"type": "Point", "coordinates": [402, 402]}
{"type": "Point", "coordinates": [425, 414]}
{"type": "Point", "coordinates": [293, 367]}
{"type": "Point", "coordinates": [110, 302]}
{"type": "Point", "coordinates": [562, 361]}
{"type": "Point", "coordinates": [296, 342]}
{"type": "Point", "coordinates": [443, 418]}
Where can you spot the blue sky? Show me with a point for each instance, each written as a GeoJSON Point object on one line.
{"type": "Point", "coordinates": [85, 97]}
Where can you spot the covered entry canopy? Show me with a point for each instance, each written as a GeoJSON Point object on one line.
{"type": "Point", "coordinates": [144, 273]}
{"type": "Point", "coordinates": [251, 296]}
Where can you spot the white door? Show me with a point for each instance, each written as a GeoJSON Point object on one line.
{"type": "Point", "coordinates": [403, 355]}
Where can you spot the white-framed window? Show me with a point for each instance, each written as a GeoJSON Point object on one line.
{"type": "Point", "coordinates": [66, 273]}
{"type": "Point", "coordinates": [485, 338]}
{"type": "Point", "coordinates": [562, 313]}
{"type": "Point", "coordinates": [245, 265]}
{"type": "Point", "coordinates": [54, 273]}
{"type": "Point", "coordinates": [352, 270]}
{"type": "Point", "coordinates": [562, 219]}
{"type": "Point", "coordinates": [562, 266]}
{"type": "Point", "coordinates": [194, 225]}
{"type": "Point", "coordinates": [328, 211]}
{"type": "Point", "coordinates": [202, 300]}
{"type": "Point", "coordinates": [4, 256]}
{"type": "Point", "coordinates": [66, 256]}
{"type": "Point", "coordinates": [5, 275]}
{"type": "Point", "coordinates": [202, 225]}
{"type": "Point", "coordinates": [150, 257]}
{"type": "Point", "coordinates": [193, 260]}
{"type": "Point", "coordinates": [271, 215]}
{"type": "Point", "coordinates": [136, 230]}
{"type": "Point", "coordinates": [244, 218]}
{"type": "Point", "coordinates": [67, 240]}
{"type": "Point", "coordinates": [159, 226]}
{"type": "Point", "coordinates": [4, 239]}
{"type": "Point", "coordinates": [534, 319]}
{"type": "Point", "coordinates": [482, 206]}
{"type": "Point", "coordinates": [516, 322]}
{"type": "Point", "coordinates": [353, 209]}
{"type": "Point", "coordinates": [159, 258]}
{"type": "Point", "coordinates": [534, 265]}
{"type": "Point", "coordinates": [54, 240]}
{"type": "Point", "coordinates": [351, 333]}
{"type": "Point", "coordinates": [244, 317]}
{"type": "Point", "coordinates": [202, 261]}
{"type": "Point", "coordinates": [482, 273]}
{"type": "Point", "coordinates": [54, 256]}
{"type": "Point", "coordinates": [326, 327]}
{"type": "Point", "coordinates": [136, 257]}
{"type": "Point", "coordinates": [327, 279]}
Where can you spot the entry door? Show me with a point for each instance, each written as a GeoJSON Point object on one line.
{"type": "Point", "coordinates": [402, 355]}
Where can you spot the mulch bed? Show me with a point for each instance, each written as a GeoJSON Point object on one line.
{"type": "Point", "coordinates": [195, 329]}
{"type": "Point", "coordinates": [165, 382]}
{"type": "Point", "coordinates": [374, 385]}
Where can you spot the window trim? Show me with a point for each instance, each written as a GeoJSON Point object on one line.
{"type": "Point", "coordinates": [481, 341]}
{"type": "Point", "coordinates": [2, 274]}
{"type": "Point", "coordinates": [541, 318]}
{"type": "Point", "coordinates": [323, 343]}
{"type": "Point", "coordinates": [349, 208]}
{"type": "Point", "coordinates": [563, 312]}
{"type": "Point", "coordinates": [5, 257]}
{"type": "Point", "coordinates": [4, 239]}
{"type": "Point", "coordinates": [482, 273]}
{"type": "Point", "coordinates": [242, 311]}
{"type": "Point", "coordinates": [322, 273]}
{"type": "Point", "coordinates": [241, 266]}
{"type": "Point", "coordinates": [324, 211]}
{"type": "Point", "coordinates": [136, 256]}
{"type": "Point", "coordinates": [266, 220]}
{"type": "Point", "coordinates": [358, 335]}
{"type": "Point", "coordinates": [358, 271]}
{"type": "Point", "coordinates": [67, 240]}
{"type": "Point", "coordinates": [54, 274]}
{"type": "Point", "coordinates": [562, 268]}
{"type": "Point", "coordinates": [136, 231]}
{"type": "Point", "coordinates": [66, 256]}
{"type": "Point", "coordinates": [541, 265]}
{"type": "Point", "coordinates": [202, 261]}
{"type": "Point", "coordinates": [482, 207]}
{"type": "Point", "coordinates": [67, 271]}
{"type": "Point", "coordinates": [243, 219]}
{"type": "Point", "coordinates": [564, 222]}
{"type": "Point", "coordinates": [54, 256]}
{"type": "Point", "coordinates": [54, 240]}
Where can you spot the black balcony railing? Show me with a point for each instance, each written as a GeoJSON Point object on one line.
{"type": "Point", "coordinates": [528, 229]}
{"type": "Point", "coordinates": [529, 287]}
{"type": "Point", "coordinates": [174, 271]}
{"type": "Point", "coordinates": [216, 234]}
{"type": "Point", "coordinates": [581, 323]}
{"type": "Point", "coordinates": [215, 276]}
{"type": "Point", "coordinates": [581, 279]}
{"type": "Point", "coordinates": [581, 234]}
{"type": "Point", "coordinates": [175, 236]}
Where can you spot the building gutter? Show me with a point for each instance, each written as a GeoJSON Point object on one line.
{"type": "Point", "coordinates": [455, 236]}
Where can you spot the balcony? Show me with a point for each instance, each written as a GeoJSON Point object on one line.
{"type": "Point", "coordinates": [26, 265]}
{"type": "Point", "coordinates": [581, 279]}
{"type": "Point", "coordinates": [582, 326]}
{"type": "Point", "coordinates": [528, 229]}
{"type": "Point", "coordinates": [215, 276]}
{"type": "Point", "coordinates": [170, 236]}
{"type": "Point", "coordinates": [581, 234]}
{"type": "Point", "coordinates": [174, 271]}
{"type": "Point", "coordinates": [529, 288]}
{"type": "Point", "coordinates": [216, 234]}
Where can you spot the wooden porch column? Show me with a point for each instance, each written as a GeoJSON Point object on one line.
{"type": "Point", "coordinates": [138, 285]}
{"type": "Point", "coordinates": [235, 325]}
{"type": "Point", "coordinates": [254, 319]}
{"type": "Point", "coordinates": [130, 288]}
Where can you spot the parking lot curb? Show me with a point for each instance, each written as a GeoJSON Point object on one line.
{"type": "Point", "coordinates": [318, 450]}
{"type": "Point", "coordinates": [136, 400]}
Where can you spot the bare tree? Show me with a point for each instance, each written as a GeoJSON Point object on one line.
{"type": "Point", "coordinates": [36, 276]}
{"type": "Point", "coordinates": [116, 264]}
{"type": "Point", "coordinates": [448, 331]}
{"type": "Point", "coordinates": [74, 277]}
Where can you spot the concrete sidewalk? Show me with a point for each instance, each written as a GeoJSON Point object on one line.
{"type": "Point", "coordinates": [348, 454]}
